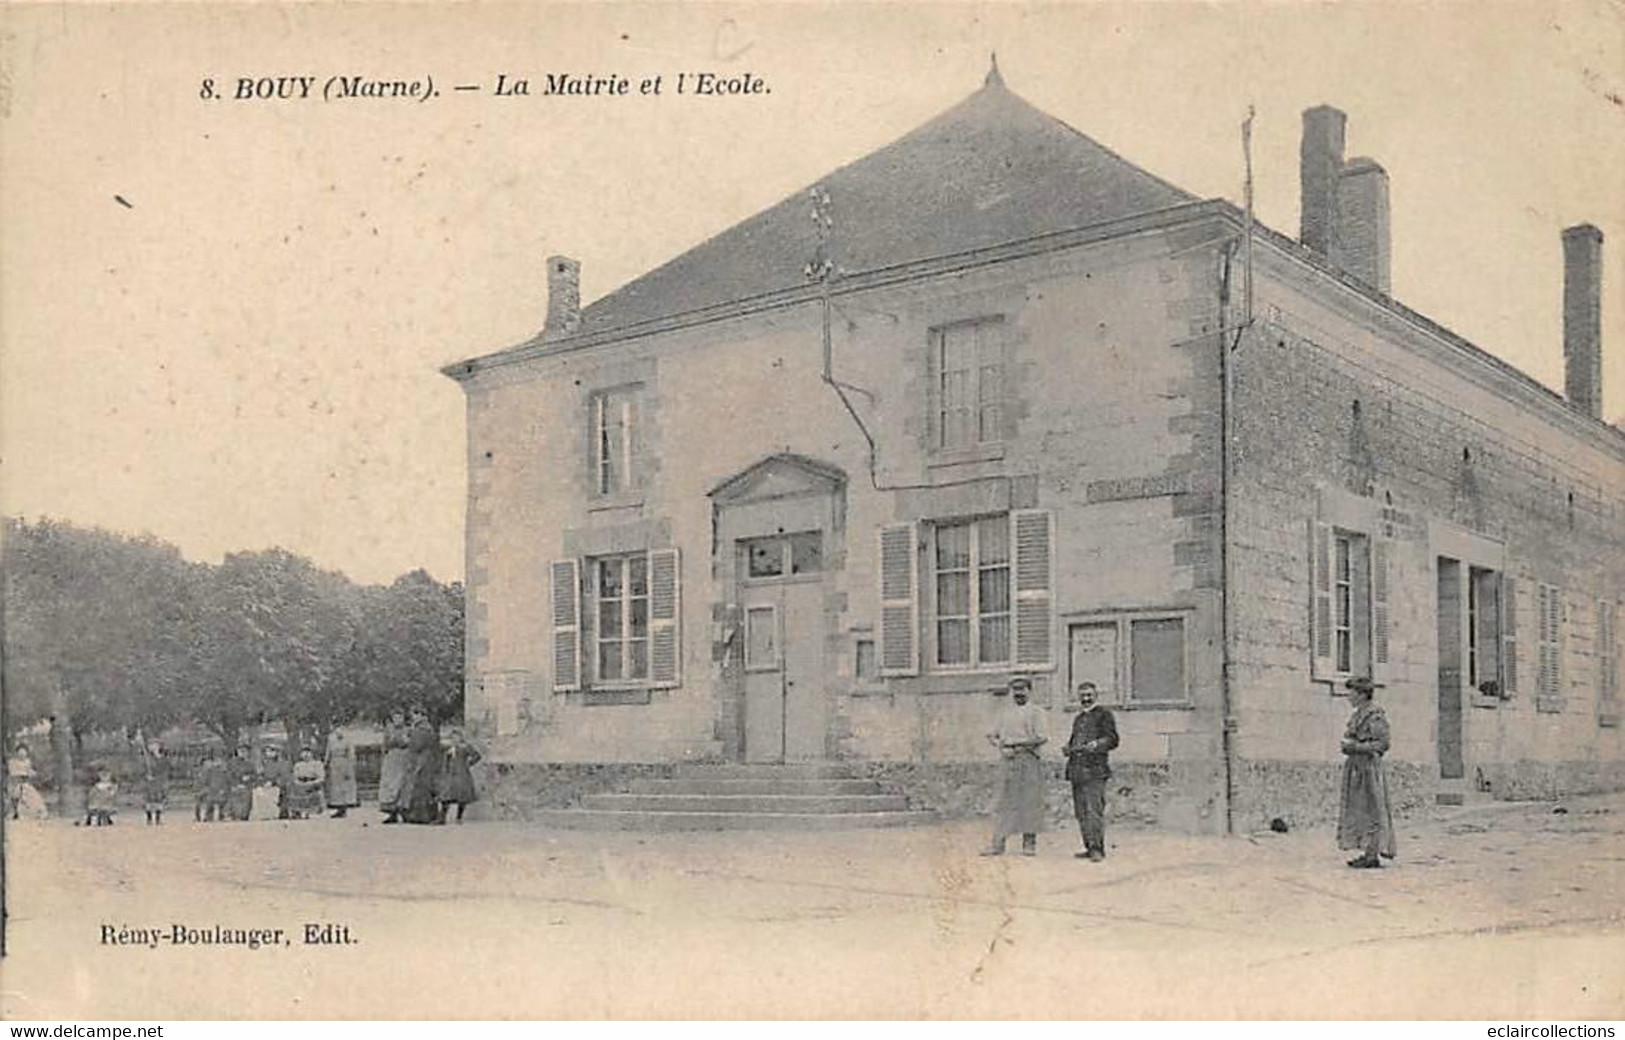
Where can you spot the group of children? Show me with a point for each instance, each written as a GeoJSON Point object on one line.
{"type": "Point", "coordinates": [238, 789]}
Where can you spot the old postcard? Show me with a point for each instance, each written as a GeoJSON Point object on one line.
{"type": "Point", "coordinates": [924, 511]}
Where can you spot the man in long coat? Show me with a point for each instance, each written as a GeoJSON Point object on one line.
{"type": "Point", "coordinates": [1018, 735]}
{"type": "Point", "coordinates": [1365, 819]}
{"type": "Point", "coordinates": [1094, 736]}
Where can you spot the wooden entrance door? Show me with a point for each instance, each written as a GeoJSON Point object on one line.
{"type": "Point", "coordinates": [786, 705]}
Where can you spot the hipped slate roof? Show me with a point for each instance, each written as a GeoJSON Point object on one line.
{"type": "Point", "coordinates": [992, 169]}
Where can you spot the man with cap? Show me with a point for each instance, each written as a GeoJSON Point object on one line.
{"type": "Point", "coordinates": [1018, 735]}
{"type": "Point", "coordinates": [1365, 819]}
{"type": "Point", "coordinates": [1094, 736]}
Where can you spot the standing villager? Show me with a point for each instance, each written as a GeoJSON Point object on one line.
{"type": "Point", "coordinates": [21, 794]}
{"type": "Point", "coordinates": [305, 797]}
{"type": "Point", "coordinates": [420, 791]}
{"type": "Point", "coordinates": [19, 775]}
{"type": "Point", "coordinates": [392, 773]}
{"type": "Point", "coordinates": [271, 793]}
{"type": "Point", "coordinates": [242, 779]}
{"type": "Point", "coordinates": [155, 783]}
{"type": "Point", "coordinates": [457, 776]}
{"type": "Point", "coordinates": [1094, 737]}
{"type": "Point", "coordinates": [1018, 734]}
{"type": "Point", "coordinates": [213, 789]}
{"type": "Point", "coordinates": [341, 785]}
{"type": "Point", "coordinates": [101, 801]}
{"type": "Point", "coordinates": [1365, 820]}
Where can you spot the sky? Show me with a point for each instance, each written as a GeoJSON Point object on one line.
{"type": "Point", "coordinates": [222, 321]}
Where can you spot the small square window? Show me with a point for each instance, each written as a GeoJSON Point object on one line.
{"type": "Point", "coordinates": [766, 556]}
{"type": "Point", "coordinates": [807, 553]}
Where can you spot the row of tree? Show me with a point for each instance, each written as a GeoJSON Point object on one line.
{"type": "Point", "coordinates": [105, 633]}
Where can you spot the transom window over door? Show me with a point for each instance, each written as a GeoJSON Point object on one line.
{"type": "Point", "coordinates": [968, 359]}
{"type": "Point", "coordinates": [972, 607]}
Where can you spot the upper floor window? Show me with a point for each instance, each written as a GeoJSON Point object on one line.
{"type": "Point", "coordinates": [968, 360]}
{"type": "Point", "coordinates": [614, 440]}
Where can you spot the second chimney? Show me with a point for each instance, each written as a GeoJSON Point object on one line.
{"type": "Point", "coordinates": [1582, 319]}
{"type": "Point", "coordinates": [1360, 241]}
{"type": "Point", "coordinates": [563, 296]}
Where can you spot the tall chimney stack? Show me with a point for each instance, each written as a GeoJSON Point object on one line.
{"type": "Point", "coordinates": [1582, 318]}
{"type": "Point", "coordinates": [1320, 166]}
{"type": "Point", "coordinates": [563, 296]}
{"type": "Point", "coordinates": [1360, 244]}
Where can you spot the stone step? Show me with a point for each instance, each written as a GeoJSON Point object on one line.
{"type": "Point", "coordinates": [608, 820]}
{"type": "Point", "coordinates": [765, 771]}
{"type": "Point", "coordinates": [746, 803]}
{"type": "Point", "coordinates": [770, 785]}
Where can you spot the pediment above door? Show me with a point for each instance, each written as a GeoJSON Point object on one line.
{"type": "Point", "coordinates": [779, 476]}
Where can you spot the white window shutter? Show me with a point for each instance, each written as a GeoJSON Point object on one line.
{"type": "Point", "coordinates": [1033, 534]}
{"type": "Point", "coordinates": [665, 618]}
{"type": "Point", "coordinates": [1509, 635]}
{"type": "Point", "coordinates": [1322, 666]}
{"type": "Point", "coordinates": [1381, 552]}
{"type": "Point", "coordinates": [899, 600]}
{"type": "Point", "coordinates": [566, 582]}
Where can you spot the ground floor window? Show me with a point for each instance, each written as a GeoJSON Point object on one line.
{"type": "Point", "coordinates": [1484, 630]}
{"type": "Point", "coordinates": [971, 601]}
{"type": "Point", "coordinates": [621, 594]}
{"type": "Point", "coordinates": [1133, 660]}
{"type": "Point", "coordinates": [616, 620]}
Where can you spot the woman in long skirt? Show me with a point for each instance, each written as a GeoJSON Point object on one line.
{"type": "Point", "coordinates": [1365, 819]}
{"type": "Point", "coordinates": [420, 794]}
{"type": "Point", "coordinates": [392, 774]}
{"type": "Point", "coordinates": [341, 786]}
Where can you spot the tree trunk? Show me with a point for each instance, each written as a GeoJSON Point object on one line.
{"type": "Point", "coordinates": [67, 804]}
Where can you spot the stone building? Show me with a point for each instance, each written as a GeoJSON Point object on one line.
{"type": "Point", "coordinates": [814, 489]}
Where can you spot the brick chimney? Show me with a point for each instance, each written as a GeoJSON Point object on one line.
{"type": "Point", "coordinates": [1344, 205]}
{"type": "Point", "coordinates": [1360, 245]}
{"type": "Point", "coordinates": [563, 296]}
{"type": "Point", "coordinates": [1320, 165]}
{"type": "Point", "coordinates": [1582, 319]}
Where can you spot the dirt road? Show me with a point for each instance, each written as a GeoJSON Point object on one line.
{"type": "Point", "coordinates": [1507, 912]}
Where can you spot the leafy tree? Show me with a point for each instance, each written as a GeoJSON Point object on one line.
{"type": "Point", "coordinates": [413, 649]}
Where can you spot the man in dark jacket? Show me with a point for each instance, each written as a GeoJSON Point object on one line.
{"type": "Point", "coordinates": [1094, 736]}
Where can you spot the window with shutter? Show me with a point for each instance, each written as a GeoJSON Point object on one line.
{"type": "Point", "coordinates": [899, 618]}
{"type": "Point", "coordinates": [1349, 604]}
{"type": "Point", "coordinates": [566, 589]}
{"type": "Point", "coordinates": [1484, 622]}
